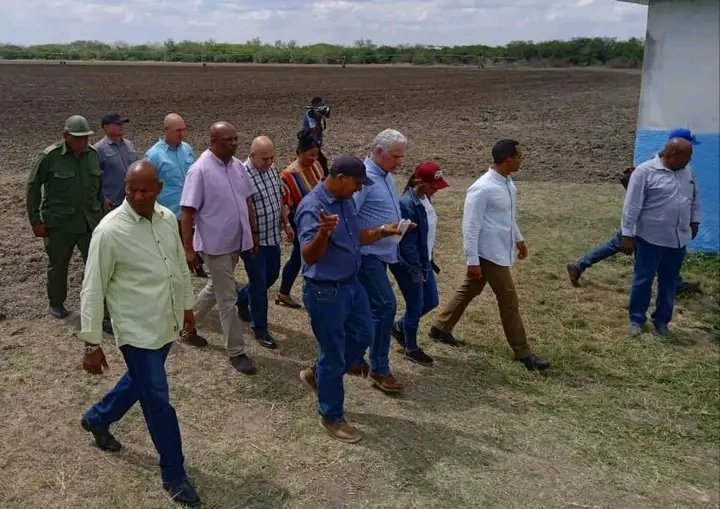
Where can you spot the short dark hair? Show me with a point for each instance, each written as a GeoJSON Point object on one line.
{"type": "Point", "coordinates": [504, 150]}
{"type": "Point", "coordinates": [306, 140]}
{"type": "Point", "coordinates": [316, 101]}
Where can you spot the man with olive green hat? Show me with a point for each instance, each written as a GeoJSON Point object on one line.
{"type": "Point", "coordinates": [64, 204]}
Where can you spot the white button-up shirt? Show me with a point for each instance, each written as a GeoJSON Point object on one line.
{"type": "Point", "coordinates": [489, 227]}
{"type": "Point", "coordinates": [660, 204]}
{"type": "Point", "coordinates": [138, 268]}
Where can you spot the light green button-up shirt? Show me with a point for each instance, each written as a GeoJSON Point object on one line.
{"type": "Point", "coordinates": [138, 267]}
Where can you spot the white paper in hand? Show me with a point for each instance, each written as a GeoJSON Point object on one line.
{"type": "Point", "coordinates": [403, 226]}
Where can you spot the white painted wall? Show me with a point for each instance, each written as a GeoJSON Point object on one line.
{"type": "Point", "coordinates": [681, 67]}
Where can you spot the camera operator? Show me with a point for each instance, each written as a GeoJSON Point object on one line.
{"type": "Point", "coordinates": [315, 120]}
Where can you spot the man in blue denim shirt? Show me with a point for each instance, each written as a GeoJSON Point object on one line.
{"type": "Point", "coordinates": [378, 205]}
{"type": "Point", "coordinates": [330, 238]}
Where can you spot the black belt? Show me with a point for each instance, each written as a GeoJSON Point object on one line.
{"type": "Point", "coordinates": [321, 282]}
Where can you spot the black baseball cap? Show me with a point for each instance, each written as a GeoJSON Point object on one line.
{"type": "Point", "coordinates": [352, 167]}
{"type": "Point", "coordinates": [114, 118]}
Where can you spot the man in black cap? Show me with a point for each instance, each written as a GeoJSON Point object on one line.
{"type": "Point", "coordinates": [116, 155]}
{"type": "Point", "coordinates": [330, 240]}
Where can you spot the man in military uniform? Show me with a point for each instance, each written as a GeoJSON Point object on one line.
{"type": "Point", "coordinates": [64, 204]}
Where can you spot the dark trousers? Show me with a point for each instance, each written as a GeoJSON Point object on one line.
{"type": "Point", "coordinates": [340, 319]}
{"type": "Point", "coordinates": [146, 381]}
{"type": "Point", "coordinates": [607, 249]}
{"type": "Point", "coordinates": [292, 265]}
{"type": "Point", "coordinates": [59, 247]}
{"type": "Point", "coordinates": [262, 271]}
{"type": "Point", "coordinates": [421, 297]}
{"type": "Point", "coordinates": [373, 276]}
{"type": "Point", "coordinates": [652, 260]}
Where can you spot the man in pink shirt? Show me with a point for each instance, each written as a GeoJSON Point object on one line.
{"type": "Point", "coordinates": [217, 200]}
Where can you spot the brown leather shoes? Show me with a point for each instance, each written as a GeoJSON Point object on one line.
{"type": "Point", "coordinates": [193, 338]}
{"type": "Point", "coordinates": [386, 383]}
{"type": "Point", "coordinates": [308, 378]}
{"type": "Point", "coordinates": [341, 431]}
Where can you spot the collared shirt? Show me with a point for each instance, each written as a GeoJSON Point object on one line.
{"type": "Point", "coordinates": [172, 165]}
{"type": "Point", "coordinates": [297, 182]}
{"type": "Point", "coordinates": [218, 192]}
{"type": "Point", "coordinates": [64, 191]}
{"type": "Point", "coordinates": [115, 158]}
{"type": "Point", "coordinates": [267, 201]}
{"type": "Point", "coordinates": [490, 230]}
{"type": "Point", "coordinates": [377, 205]}
{"type": "Point", "coordinates": [138, 268]}
{"type": "Point", "coordinates": [660, 204]}
{"type": "Point", "coordinates": [342, 257]}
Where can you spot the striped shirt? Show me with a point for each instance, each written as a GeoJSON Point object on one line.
{"type": "Point", "coordinates": [267, 203]}
{"type": "Point", "coordinates": [298, 182]}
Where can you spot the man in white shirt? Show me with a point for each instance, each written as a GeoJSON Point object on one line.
{"type": "Point", "coordinates": [136, 264]}
{"type": "Point", "coordinates": [490, 238]}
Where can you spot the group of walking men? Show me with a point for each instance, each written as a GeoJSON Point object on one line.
{"type": "Point", "coordinates": [142, 226]}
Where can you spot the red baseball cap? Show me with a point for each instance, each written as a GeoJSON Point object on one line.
{"type": "Point", "coordinates": [430, 173]}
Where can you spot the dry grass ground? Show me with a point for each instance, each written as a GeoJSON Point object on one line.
{"type": "Point", "coordinates": [617, 422]}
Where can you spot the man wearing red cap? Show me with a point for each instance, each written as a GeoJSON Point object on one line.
{"type": "Point", "coordinates": [415, 272]}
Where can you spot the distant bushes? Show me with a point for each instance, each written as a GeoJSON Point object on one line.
{"type": "Point", "coordinates": [576, 52]}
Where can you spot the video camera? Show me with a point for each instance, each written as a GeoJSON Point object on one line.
{"type": "Point", "coordinates": [318, 112]}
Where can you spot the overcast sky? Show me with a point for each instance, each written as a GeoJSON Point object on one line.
{"type": "Point", "coordinates": [441, 22]}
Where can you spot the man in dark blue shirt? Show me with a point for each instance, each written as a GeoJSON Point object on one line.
{"type": "Point", "coordinates": [330, 238]}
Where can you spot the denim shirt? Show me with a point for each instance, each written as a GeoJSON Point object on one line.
{"type": "Point", "coordinates": [341, 261]}
{"type": "Point", "coordinates": [378, 205]}
{"type": "Point", "coordinates": [414, 244]}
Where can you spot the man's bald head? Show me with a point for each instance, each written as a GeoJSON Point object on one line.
{"type": "Point", "coordinates": [677, 153]}
{"type": "Point", "coordinates": [262, 153]}
{"type": "Point", "coordinates": [223, 140]}
{"type": "Point", "coordinates": [142, 186]}
{"type": "Point", "coordinates": [140, 170]}
{"type": "Point", "coordinates": [175, 129]}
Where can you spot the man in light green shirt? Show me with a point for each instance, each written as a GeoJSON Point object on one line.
{"type": "Point", "coordinates": [137, 265]}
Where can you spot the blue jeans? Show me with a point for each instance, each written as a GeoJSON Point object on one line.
{"type": "Point", "coordinates": [651, 260]}
{"type": "Point", "coordinates": [292, 265]}
{"type": "Point", "coordinates": [612, 247]}
{"type": "Point", "coordinates": [373, 276]}
{"type": "Point", "coordinates": [262, 272]}
{"type": "Point", "coordinates": [420, 299]}
{"type": "Point", "coordinates": [146, 381]}
{"type": "Point", "coordinates": [340, 319]}
{"type": "Point", "coordinates": [606, 250]}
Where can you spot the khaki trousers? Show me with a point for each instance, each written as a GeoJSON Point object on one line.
{"type": "Point", "coordinates": [221, 289]}
{"type": "Point", "coordinates": [501, 282]}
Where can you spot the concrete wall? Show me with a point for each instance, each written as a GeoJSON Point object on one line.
{"type": "Point", "coordinates": [681, 88]}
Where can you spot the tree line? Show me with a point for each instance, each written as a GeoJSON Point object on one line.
{"type": "Point", "coordinates": [602, 51]}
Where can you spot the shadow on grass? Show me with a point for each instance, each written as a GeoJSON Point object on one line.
{"type": "Point", "coordinates": [416, 451]}
{"type": "Point", "coordinates": [256, 490]}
